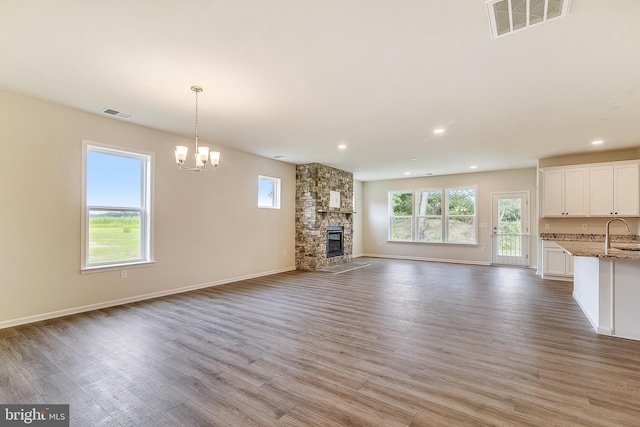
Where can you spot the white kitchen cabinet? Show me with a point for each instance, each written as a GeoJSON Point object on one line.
{"type": "Point", "coordinates": [568, 264]}
{"type": "Point", "coordinates": [556, 262]}
{"type": "Point", "coordinates": [614, 190]}
{"type": "Point", "coordinates": [565, 192]}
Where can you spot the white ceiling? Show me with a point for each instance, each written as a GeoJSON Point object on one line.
{"type": "Point", "coordinates": [298, 77]}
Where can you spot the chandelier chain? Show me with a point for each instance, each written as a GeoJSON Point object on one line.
{"type": "Point", "coordinates": [196, 91]}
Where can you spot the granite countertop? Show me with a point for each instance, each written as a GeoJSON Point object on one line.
{"type": "Point", "coordinates": [575, 237]}
{"type": "Point", "coordinates": [596, 249]}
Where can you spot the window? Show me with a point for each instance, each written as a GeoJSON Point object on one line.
{"type": "Point", "coordinates": [429, 215]}
{"type": "Point", "coordinates": [439, 215]}
{"type": "Point", "coordinates": [401, 226]}
{"type": "Point", "coordinates": [117, 201]}
{"type": "Point", "coordinates": [461, 215]}
{"type": "Point", "coordinates": [268, 192]}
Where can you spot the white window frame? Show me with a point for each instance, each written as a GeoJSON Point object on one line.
{"type": "Point", "coordinates": [146, 237]}
{"type": "Point", "coordinates": [275, 200]}
{"type": "Point", "coordinates": [392, 216]}
{"type": "Point", "coordinates": [444, 215]}
{"type": "Point", "coordinates": [441, 216]}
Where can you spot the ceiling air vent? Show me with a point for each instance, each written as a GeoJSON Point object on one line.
{"type": "Point", "coordinates": [507, 16]}
{"type": "Point", "coordinates": [116, 113]}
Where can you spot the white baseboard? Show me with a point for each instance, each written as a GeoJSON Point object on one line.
{"type": "Point", "coordinates": [605, 331]}
{"type": "Point", "coordinates": [559, 278]}
{"type": "Point", "coordinates": [412, 258]}
{"type": "Point", "coordinates": [594, 325]}
{"type": "Point", "coordinates": [128, 300]}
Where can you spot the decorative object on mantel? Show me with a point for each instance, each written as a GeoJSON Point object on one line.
{"type": "Point", "coordinates": [334, 199]}
{"type": "Point", "coordinates": [202, 153]}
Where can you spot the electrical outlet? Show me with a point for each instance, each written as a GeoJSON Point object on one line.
{"type": "Point", "coordinates": [123, 274]}
{"type": "Point", "coordinates": [546, 226]}
{"type": "Point", "coordinates": [584, 226]}
{"type": "Point", "coordinates": [482, 248]}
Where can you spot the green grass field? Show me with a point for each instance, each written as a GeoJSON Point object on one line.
{"type": "Point", "coordinates": [113, 238]}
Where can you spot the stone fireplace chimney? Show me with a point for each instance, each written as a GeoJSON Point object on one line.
{"type": "Point", "coordinates": [324, 200]}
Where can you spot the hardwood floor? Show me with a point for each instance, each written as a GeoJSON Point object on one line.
{"type": "Point", "coordinates": [397, 343]}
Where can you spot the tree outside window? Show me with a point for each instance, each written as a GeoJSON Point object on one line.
{"type": "Point", "coordinates": [461, 214]}
{"type": "Point", "coordinates": [401, 226]}
{"type": "Point", "coordinates": [429, 215]}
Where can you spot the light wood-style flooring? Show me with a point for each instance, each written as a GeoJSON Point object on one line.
{"type": "Point", "coordinates": [396, 343]}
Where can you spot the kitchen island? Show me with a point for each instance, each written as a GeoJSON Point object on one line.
{"type": "Point", "coordinates": [606, 285]}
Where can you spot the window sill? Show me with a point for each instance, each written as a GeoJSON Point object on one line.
{"type": "Point", "coordinates": [113, 267]}
{"type": "Point", "coordinates": [435, 243]}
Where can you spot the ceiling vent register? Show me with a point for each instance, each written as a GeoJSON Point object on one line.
{"type": "Point", "coordinates": [116, 113]}
{"type": "Point", "coordinates": [507, 16]}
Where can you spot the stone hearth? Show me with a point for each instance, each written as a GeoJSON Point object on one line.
{"type": "Point", "coordinates": [316, 210]}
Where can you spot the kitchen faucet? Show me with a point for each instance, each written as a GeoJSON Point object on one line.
{"type": "Point", "coordinates": [607, 236]}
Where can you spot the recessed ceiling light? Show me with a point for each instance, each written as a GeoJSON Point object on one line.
{"type": "Point", "coordinates": [429, 173]}
{"type": "Point", "coordinates": [342, 146]}
{"type": "Point", "coordinates": [407, 173]}
{"type": "Point", "coordinates": [413, 159]}
{"type": "Point", "coordinates": [597, 142]}
{"type": "Point", "coordinates": [279, 157]}
{"type": "Point", "coordinates": [439, 130]}
{"type": "Point", "coordinates": [473, 167]}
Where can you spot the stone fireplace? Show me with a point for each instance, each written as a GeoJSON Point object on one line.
{"type": "Point", "coordinates": [324, 216]}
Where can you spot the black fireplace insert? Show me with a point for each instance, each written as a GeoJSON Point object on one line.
{"type": "Point", "coordinates": [334, 241]}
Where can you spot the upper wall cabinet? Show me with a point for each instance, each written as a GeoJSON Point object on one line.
{"type": "Point", "coordinates": [603, 189]}
{"type": "Point", "coordinates": [565, 192]}
{"type": "Point", "coordinates": [614, 190]}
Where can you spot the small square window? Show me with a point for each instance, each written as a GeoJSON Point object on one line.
{"type": "Point", "coordinates": [268, 192]}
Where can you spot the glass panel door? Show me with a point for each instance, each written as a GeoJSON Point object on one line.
{"type": "Point", "coordinates": [511, 228]}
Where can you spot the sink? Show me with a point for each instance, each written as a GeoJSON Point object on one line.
{"type": "Point", "coordinates": [628, 247]}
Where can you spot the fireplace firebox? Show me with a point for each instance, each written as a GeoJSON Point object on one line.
{"type": "Point", "coordinates": [334, 241]}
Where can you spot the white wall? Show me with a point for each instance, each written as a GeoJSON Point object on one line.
{"type": "Point", "coordinates": [357, 219]}
{"type": "Point", "coordinates": [207, 228]}
{"type": "Point", "coordinates": [376, 215]}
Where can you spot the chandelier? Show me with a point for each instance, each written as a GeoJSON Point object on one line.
{"type": "Point", "coordinates": [202, 154]}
